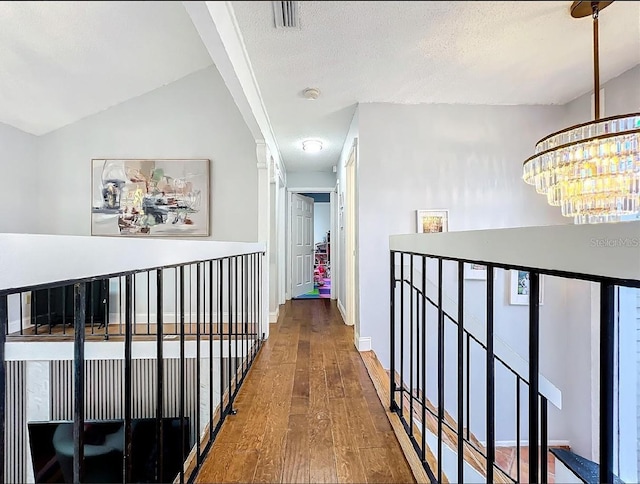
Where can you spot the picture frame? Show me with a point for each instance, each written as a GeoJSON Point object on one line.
{"type": "Point", "coordinates": [518, 288]}
{"type": "Point", "coordinates": [432, 221]}
{"type": "Point", "coordinates": [150, 197]}
{"type": "Point", "coordinates": [475, 271]}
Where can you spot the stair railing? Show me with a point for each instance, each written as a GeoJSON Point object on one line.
{"type": "Point", "coordinates": [187, 368]}
{"type": "Point", "coordinates": [571, 252]}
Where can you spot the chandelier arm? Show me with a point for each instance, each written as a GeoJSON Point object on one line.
{"type": "Point", "coordinates": [596, 61]}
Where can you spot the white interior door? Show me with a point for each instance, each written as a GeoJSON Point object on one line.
{"type": "Point", "coordinates": [301, 245]}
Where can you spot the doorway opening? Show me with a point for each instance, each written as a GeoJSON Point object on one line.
{"type": "Point", "coordinates": [321, 247]}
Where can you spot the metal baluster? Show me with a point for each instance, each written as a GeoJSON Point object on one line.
{"type": "Point", "coordinates": [230, 320]}
{"type": "Point", "coordinates": [490, 368]}
{"type": "Point", "coordinates": [440, 369]}
{"type": "Point", "coordinates": [159, 374]}
{"type": "Point", "coordinates": [148, 302]}
{"type": "Point", "coordinates": [79, 314]}
{"type": "Point", "coordinates": [607, 367]}
{"type": "Point", "coordinates": [198, 356]}
{"type": "Point", "coordinates": [128, 434]}
{"type": "Point", "coordinates": [4, 325]}
{"type": "Point", "coordinates": [411, 291]}
{"type": "Point", "coordinates": [544, 474]}
{"type": "Point", "coordinates": [211, 306]}
{"type": "Point", "coordinates": [245, 265]}
{"type": "Point", "coordinates": [424, 359]}
{"type": "Point", "coordinates": [518, 428]}
{"type": "Point", "coordinates": [468, 385]}
{"type": "Point", "coordinates": [401, 385]}
{"type": "Point", "coordinates": [392, 330]}
{"type": "Point", "coordinates": [534, 369]}
{"type": "Point", "coordinates": [183, 453]}
{"type": "Point", "coordinates": [460, 372]}
{"type": "Point", "coordinates": [221, 331]}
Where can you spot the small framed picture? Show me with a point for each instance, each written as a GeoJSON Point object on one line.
{"type": "Point", "coordinates": [475, 271]}
{"type": "Point", "coordinates": [430, 221]}
{"type": "Point", "coordinates": [519, 288]}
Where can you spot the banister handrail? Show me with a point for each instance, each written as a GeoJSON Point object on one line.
{"type": "Point", "coordinates": [612, 251]}
{"type": "Point", "coordinates": [32, 261]}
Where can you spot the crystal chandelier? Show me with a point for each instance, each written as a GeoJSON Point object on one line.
{"type": "Point", "coordinates": [591, 170]}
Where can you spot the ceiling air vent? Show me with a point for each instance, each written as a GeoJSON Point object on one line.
{"type": "Point", "coordinates": [286, 15]}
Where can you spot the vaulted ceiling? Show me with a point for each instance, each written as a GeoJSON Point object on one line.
{"type": "Point", "coordinates": [422, 52]}
{"type": "Point", "coordinates": [63, 61]}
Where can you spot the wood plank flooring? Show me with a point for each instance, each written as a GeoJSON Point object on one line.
{"type": "Point", "coordinates": [308, 411]}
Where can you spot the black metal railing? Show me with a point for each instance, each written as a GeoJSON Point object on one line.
{"type": "Point", "coordinates": [204, 316]}
{"type": "Point", "coordinates": [410, 305]}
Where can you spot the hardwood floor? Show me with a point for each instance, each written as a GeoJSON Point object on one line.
{"type": "Point", "coordinates": [308, 411]}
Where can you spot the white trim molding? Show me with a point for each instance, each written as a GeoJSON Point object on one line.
{"type": "Point", "coordinates": [343, 311]}
{"type": "Point", "coordinates": [364, 343]}
{"type": "Point", "coordinates": [274, 315]}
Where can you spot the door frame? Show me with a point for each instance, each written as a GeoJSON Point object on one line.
{"type": "Point", "coordinates": [290, 191]}
{"type": "Point", "coordinates": [351, 241]}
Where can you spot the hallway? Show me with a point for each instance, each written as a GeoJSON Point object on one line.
{"type": "Point", "coordinates": [308, 411]}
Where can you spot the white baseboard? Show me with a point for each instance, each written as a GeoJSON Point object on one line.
{"type": "Point", "coordinates": [525, 443]}
{"type": "Point", "coordinates": [273, 315]}
{"type": "Point", "coordinates": [364, 343]}
{"type": "Point", "coordinates": [343, 311]}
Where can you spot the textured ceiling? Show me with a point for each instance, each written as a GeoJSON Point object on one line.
{"type": "Point", "coordinates": [62, 61]}
{"type": "Point", "coordinates": [423, 52]}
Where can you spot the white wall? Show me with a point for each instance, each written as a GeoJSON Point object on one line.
{"type": "Point", "coordinates": [20, 185]}
{"type": "Point", "coordinates": [194, 117]}
{"type": "Point", "coordinates": [321, 221]}
{"type": "Point", "coordinates": [311, 179]}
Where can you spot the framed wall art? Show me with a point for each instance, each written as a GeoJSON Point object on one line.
{"type": "Point", "coordinates": [475, 271]}
{"type": "Point", "coordinates": [150, 198]}
{"type": "Point", "coordinates": [429, 221]}
{"type": "Point", "coordinates": [519, 288]}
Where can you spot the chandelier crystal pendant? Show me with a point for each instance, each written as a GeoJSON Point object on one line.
{"type": "Point", "coordinates": [591, 170]}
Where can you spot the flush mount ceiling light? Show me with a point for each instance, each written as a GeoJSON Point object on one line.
{"type": "Point", "coordinates": [312, 145]}
{"type": "Point", "coordinates": [591, 170]}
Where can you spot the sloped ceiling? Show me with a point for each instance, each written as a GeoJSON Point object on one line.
{"type": "Point", "coordinates": [63, 61]}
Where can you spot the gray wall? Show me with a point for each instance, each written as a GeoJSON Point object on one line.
{"type": "Point", "coordinates": [194, 117]}
{"type": "Point", "coordinates": [20, 182]}
{"type": "Point", "coordinates": [311, 179]}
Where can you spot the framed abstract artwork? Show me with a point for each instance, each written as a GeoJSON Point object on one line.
{"type": "Point", "coordinates": [150, 198]}
{"type": "Point", "coordinates": [428, 221]}
{"type": "Point", "coordinates": [519, 288]}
